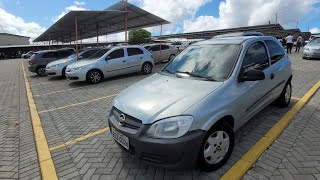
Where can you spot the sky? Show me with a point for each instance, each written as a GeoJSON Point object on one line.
{"type": "Point", "coordinates": [32, 17]}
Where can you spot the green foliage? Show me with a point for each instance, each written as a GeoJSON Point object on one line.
{"type": "Point", "coordinates": [139, 36]}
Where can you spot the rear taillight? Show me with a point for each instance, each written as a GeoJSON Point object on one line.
{"type": "Point", "coordinates": [32, 62]}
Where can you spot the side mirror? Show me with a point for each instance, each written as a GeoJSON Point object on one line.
{"type": "Point", "coordinates": [80, 57]}
{"type": "Point", "coordinates": [108, 58]}
{"type": "Point", "coordinates": [150, 50]}
{"type": "Point", "coordinates": [253, 75]}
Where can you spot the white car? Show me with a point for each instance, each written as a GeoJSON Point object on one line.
{"type": "Point", "coordinates": [58, 67]}
{"type": "Point", "coordinates": [168, 52]}
{"type": "Point", "coordinates": [111, 62]}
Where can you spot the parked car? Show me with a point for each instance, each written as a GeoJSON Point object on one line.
{"type": "Point", "coordinates": [235, 34]}
{"type": "Point", "coordinates": [58, 67]}
{"type": "Point", "coordinates": [188, 112]}
{"type": "Point", "coordinates": [27, 55]}
{"type": "Point", "coordinates": [111, 62]}
{"type": "Point", "coordinates": [40, 59]}
{"type": "Point", "coordinates": [168, 52]}
{"type": "Point", "coordinates": [312, 49]}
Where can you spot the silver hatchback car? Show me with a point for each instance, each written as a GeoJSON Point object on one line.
{"type": "Point", "coordinates": [312, 49]}
{"type": "Point", "coordinates": [111, 62]}
{"type": "Point", "coordinates": [188, 112]}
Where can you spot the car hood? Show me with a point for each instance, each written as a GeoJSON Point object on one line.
{"type": "Point", "coordinates": [161, 96]}
{"type": "Point", "coordinates": [313, 45]}
{"type": "Point", "coordinates": [83, 62]}
{"type": "Point", "coordinates": [60, 61]}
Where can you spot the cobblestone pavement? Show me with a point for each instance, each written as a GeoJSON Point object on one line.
{"type": "Point", "coordinates": [18, 156]}
{"type": "Point", "coordinates": [69, 110]}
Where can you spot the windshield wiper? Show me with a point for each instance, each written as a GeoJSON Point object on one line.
{"type": "Point", "coordinates": [167, 71]}
{"type": "Point", "coordinates": [195, 75]}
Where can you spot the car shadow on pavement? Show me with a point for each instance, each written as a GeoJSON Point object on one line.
{"type": "Point", "coordinates": [56, 78]}
{"type": "Point", "coordinates": [116, 78]}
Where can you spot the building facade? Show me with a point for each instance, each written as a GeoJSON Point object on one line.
{"type": "Point", "coordinates": [11, 39]}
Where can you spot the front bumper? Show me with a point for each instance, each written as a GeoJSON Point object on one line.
{"type": "Point", "coordinates": [76, 76]}
{"type": "Point", "coordinates": [54, 72]}
{"type": "Point", "coordinates": [168, 153]}
{"type": "Point", "coordinates": [311, 54]}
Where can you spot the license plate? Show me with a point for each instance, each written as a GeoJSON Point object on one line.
{"type": "Point", "coordinates": [120, 138]}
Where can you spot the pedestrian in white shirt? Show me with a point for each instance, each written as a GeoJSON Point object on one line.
{"type": "Point", "coordinates": [289, 40]}
{"type": "Point", "coordinates": [299, 42]}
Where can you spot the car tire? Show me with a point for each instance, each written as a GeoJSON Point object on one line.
{"type": "Point", "coordinates": [216, 147]}
{"type": "Point", "coordinates": [64, 72]}
{"type": "Point", "coordinates": [146, 68]}
{"type": "Point", "coordinates": [285, 97]}
{"type": "Point", "coordinates": [41, 71]}
{"type": "Point", "coordinates": [94, 76]}
{"type": "Point", "coordinates": [172, 56]}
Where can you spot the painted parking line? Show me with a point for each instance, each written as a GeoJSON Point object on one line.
{"type": "Point", "coordinates": [295, 98]}
{"type": "Point", "coordinates": [240, 168]}
{"type": "Point", "coordinates": [77, 104]}
{"type": "Point", "coordinates": [40, 84]}
{"type": "Point", "coordinates": [48, 171]}
{"type": "Point", "coordinates": [80, 138]}
{"type": "Point", "coordinates": [55, 92]}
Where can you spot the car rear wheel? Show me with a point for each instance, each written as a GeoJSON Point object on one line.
{"type": "Point", "coordinates": [94, 77]}
{"type": "Point", "coordinates": [285, 97]}
{"type": "Point", "coordinates": [216, 147]}
{"type": "Point", "coordinates": [41, 71]}
{"type": "Point", "coordinates": [146, 68]}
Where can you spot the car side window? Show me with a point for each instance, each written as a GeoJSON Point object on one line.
{"type": "Point", "coordinates": [89, 53]}
{"type": "Point", "coordinates": [164, 47]}
{"type": "Point", "coordinates": [49, 55]}
{"type": "Point", "coordinates": [155, 48]}
{"type": "Point", "coordinates": [275, 50]}
{"type": "Point", "coordinates": [64, 53]}
{"type": "Point", "coordinates": [119, 53]}
{"type": "Point", "coordinates": [134, 51]}
{"type": "Point", "coordinates": [256, 57]}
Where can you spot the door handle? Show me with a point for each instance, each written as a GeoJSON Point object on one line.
{"type": "Point", "coordinates": [124, 61]}
{"type": "Point", "coordinates": [271, 76]}
{"type": "Point", "coordinates": [141, 57]}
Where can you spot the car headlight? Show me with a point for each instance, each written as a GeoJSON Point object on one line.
{"type": "Point", "coordinates": [173, 127]}
{"type": "Point", "coordinates": [54, 66]}
{"type": "Point", "coordinates": [76, 69]}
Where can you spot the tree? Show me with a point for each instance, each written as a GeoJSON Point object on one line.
{"type": "Point", "coordinates": [139, 36]}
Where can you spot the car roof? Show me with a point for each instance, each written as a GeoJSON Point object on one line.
{"type": "Point", "coordinates": [233, 40]}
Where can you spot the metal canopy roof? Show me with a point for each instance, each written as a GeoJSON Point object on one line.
{"type": "Point", "coordinates": [266, 29]}
{"type": "Point", "coordinates": [93, 23]}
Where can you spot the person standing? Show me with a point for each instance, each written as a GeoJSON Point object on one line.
{"type": "Point", "coordinates": [289, 40]}
{"type": "Point", "coordinates": [299, 42]}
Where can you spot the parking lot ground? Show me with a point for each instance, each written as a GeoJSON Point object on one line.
{"type": "Point", "coordinates": [74, 120]}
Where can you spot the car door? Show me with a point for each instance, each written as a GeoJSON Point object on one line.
{"type": "Point", "coordinates": [115, 63]}
{"type": "Point", "coordinates": [155, 51]}
{"type": "Point", "coordinates": [165, 52]}
{"type": "Point", "coordinates": [254, 94]}
{"type": "Point", "coordinates": [278, 65]}
{"type": "Point", "coordinates": [49, 57]}
{"type": "Point", "coordinates": [134, 59]}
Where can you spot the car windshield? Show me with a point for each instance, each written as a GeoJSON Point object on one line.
{"type": "Point", "coordinates": [71, 56]}
{"type": "Point", "coordinates": [315, 40]}
{"type": "Point", "coordinates": [99, 54]}
{"type": "Point", "coordinates": [210, 62]}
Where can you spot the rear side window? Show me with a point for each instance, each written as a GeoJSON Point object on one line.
{"type": "Point", "coordinates": [256, 57]}
{"type": "Point", "coordinates": [164, 47]}
{"type": "Point", "coordinates": [49, 55]}
{"type": "Point", "coordinates": [134, 51]}
{"type": "Point", "coordinates": [275, 50]}
{"type": "Point", "coordinates": [119, 53]}
{"type": "Point", "coordinates": [155, 48]}
{"type": "Point", "coordinates": [65, 53]}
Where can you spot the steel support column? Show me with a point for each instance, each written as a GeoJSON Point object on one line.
{"type": "Point", "coordinates": [97, 28]}
{"type": "Point", "coordinates": [76, 25]}
{"type": "Point", "coordinates": [160, 41]}
{"type": "Point", "coordinates": [126, 23]}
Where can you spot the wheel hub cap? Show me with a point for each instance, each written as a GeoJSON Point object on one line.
{"type": "Point", "coordinates": [216, 147]}
{"type": "Point", "coordinates": [95, 77]}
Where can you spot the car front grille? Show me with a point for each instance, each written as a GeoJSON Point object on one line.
{"type": "Point", "coordinates": [130, 122]}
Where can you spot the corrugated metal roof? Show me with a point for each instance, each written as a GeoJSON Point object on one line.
{"type": "Point", "coordinates": [108, 21]}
